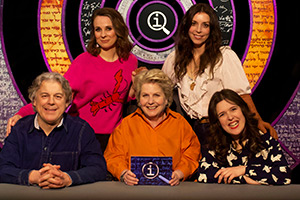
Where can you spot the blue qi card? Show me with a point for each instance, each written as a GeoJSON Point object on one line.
{"type": "Point", "coordinates": [152, 170]}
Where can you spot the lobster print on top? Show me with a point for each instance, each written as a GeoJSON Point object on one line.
{"type": "Point", "coordinates": [109, 99]}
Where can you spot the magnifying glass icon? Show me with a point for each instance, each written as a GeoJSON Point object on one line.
{"type": "Point", "coordinates": [156, 26]}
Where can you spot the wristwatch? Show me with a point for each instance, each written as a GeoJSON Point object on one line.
{"type": "Point", "coordinates": [122, 176]}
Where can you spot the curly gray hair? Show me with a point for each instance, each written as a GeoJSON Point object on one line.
{"type": "Point", "coordinates": [36, 84]}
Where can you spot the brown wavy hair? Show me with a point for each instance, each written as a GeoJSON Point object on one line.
{"type": "Point", "coordinates": [123, 45]}
{"type": "Point", "coordinates": [220, 140]}
{"type": "Point", "coordinates": [184, 45]}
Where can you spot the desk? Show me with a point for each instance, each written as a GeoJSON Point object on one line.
{"type": "Point", "coordinates": [186, 190]}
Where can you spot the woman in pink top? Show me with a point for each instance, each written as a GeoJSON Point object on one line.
{"type": "Point", "coordinates": [101, 77]}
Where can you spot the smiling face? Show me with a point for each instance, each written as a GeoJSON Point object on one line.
{"type": "Point", "coordinates": [153, 101]}
{"type": "Point", "coordinates": [231, 118]}
{"type": "Point", "coordinates": [105, 33]}
{"type": "Point", "coordinates": [50, 103]}
{"type": "Point", "coordinates": [200, 29]}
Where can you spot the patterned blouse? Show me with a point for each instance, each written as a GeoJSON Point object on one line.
{"type": "Point", "coordinates": [268, 167]}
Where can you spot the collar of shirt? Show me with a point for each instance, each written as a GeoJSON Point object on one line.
{"type": "Point", "coordinates": [37, 126]}
{"type": "Point", "coordinates": [232, 149]}
{"type": "Point", "coordinates": [140, 113]}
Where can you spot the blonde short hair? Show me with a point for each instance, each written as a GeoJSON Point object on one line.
{"type": "Point", "coordinates": [154, 76]}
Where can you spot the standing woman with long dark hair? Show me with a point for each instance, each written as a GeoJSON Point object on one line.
{"type": "Point", "coordinates": [101, 77]}
{"type": "Point", "coordinates": [200, 66]}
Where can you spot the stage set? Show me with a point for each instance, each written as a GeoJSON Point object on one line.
{"type": "Point", "coordinates": [42, 35]}
{"type": "Point", "coordinates": [187, 190]}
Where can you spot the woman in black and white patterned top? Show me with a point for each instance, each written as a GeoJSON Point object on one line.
{"type": "Point", "coordinates": [237, 151]}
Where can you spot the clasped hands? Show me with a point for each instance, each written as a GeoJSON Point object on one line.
{"type": "Point", "coordinates": [50, 176]}
{"type": "Point", "coordinates": [229, 173]}
{"type": "Point", "coordinates": [129, 178]}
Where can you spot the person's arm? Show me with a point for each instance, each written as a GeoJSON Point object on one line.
{"type": "Point", "coordinates": [10, 162]}
{"type": "Point", "coordinates": [50, 176]}
{"type": "Point", "coordinates": [131, 95]}
{"type": "Point", "coordinates": [128, 177]}
{"type": "Point", "coordinates": [92, 165]}
{"type": "Point", "coordinates": [208, 167]}
{"type": "Point", "coordinates": [269, 166]}
{"type": "Point", "coordinates": [210, 170]}
{"type": "Point", "coordinates": [262, 125]}
{"type": "Point", "coordinates": [168, 66]}
{"type": "Point", "coordinates": [176, 177]}
{"type": "Point", "coordinates": [228, 174]}
{"type": "Point", "coordinates": [234, 78]}
{"type": "Point", "coordinates": [190, 151]}
{"type": "Point", "coordinates": [115, 153]}
{"type": "Point", "coordinates": [250, 180]}
{"type": "Point", "coordinates": [34, 177]}
{"type": "Point", "coordinates": [24, 111]}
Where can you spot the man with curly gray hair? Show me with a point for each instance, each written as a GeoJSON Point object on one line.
{"type": "Point", "coordinates": [51, 148]}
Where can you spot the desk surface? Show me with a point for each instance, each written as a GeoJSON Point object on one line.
{"type": "Point", "coordinates": [186, 190]}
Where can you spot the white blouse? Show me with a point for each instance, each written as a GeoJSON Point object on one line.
{"type": "Point", "coordinates": [228, 74]}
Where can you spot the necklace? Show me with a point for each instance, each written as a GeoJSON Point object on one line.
{"type": "Point", "coordinates": [193, 84]}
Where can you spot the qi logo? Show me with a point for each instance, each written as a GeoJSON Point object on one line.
{"type": "Point", "coordinates": [152, 26]}
{"type": "Point", "coordinates": [156, 21]}
{"type": "Point", "coordinates": [150, 170]}
{"type": "Point", "coordinates": [157, 26]}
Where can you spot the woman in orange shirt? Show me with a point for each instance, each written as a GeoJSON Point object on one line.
{"type": "Point", "coordinates": [153, 130]}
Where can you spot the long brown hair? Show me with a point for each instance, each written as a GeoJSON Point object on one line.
{"type": "Point", "coordinates": [123, 45]}
{"type": "Point", "coordinates": [220, 140]}
{"type": "Point", "coordinates": [184, 45]}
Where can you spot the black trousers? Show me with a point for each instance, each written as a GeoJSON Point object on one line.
{"type": "Point", "coordinates": [103, 140]}
{"type": "Point", "coordinates": [201, 130]}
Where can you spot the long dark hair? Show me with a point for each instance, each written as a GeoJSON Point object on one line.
{"type": "Point", "coordinates": [123, 45]}
{"type": "Point", "coordinates": [184, 45]}
{"type": "Point", "coordinates": [220, 140]}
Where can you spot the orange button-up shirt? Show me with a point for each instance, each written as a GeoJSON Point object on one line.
{"type": "Point", "coordinates": [173, 137]}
